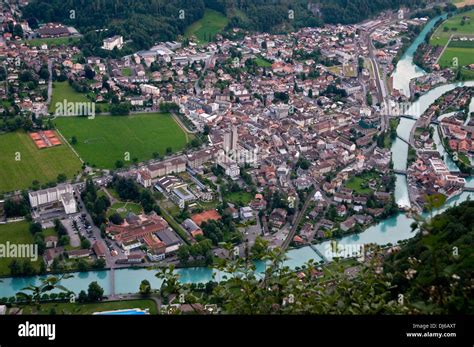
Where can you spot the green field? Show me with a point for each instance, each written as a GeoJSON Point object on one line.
{"type": "Point", "coordinates": [105, 139]}
{"type": "Point", "coordinates": [242, 198]}
{"type": "Point", "coordinates": [53, 41]}
{"type": "Point", "coordinates": [66, 308]}
{"type": "Point", "coordinates": [122, 208]}
{"type": "Point", "coordinates": [207, 27]}
{"type": "Point", "coordinates": [63, 91]}
{"type": "Point", "coordinates": [43, 165]}
{"type": "Point", "coordinates": [463, 51]}
{"type": "Point", "coordinates": [16, 233]}
{"type": "Point", "coordinates": [359, 184]}
{"type": "Point", "coordinates": [441, 37]}
{"type": "Point", "coordinates": [262, 62]}
{"type": "Point", "coordinates": [465, 56]}
{"type": "Point", "coordinates": [126, 71]}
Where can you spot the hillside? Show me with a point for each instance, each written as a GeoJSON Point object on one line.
{"type": "Point", "coordinates": [143, 23]}
{"type": "Point", "coordinates": [443, 264]}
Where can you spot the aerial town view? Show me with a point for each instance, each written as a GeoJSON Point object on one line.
{"type": "Point", "coordinates": [247, 157]}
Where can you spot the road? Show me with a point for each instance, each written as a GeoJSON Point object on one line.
{"type": "Point", "coordinates": [96, 234]}
{"type": "Point", "coordinates": [206, 66]}
{"type": "Point", "coordinates": [297, 221]}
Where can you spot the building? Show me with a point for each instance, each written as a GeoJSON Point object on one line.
{"type": "Point", "coordinates": [99, 249]}
{"type": "Point", "coordinates": [205, 216]}
{"type": "Point", "coordinates": [198, 158]}
{"type": "Point", "coordinates": [113, 42]}
{"type": "Point", "coordinates": [51, 30]}
{"type": "Point", "coordinates": [47, 198]}
{"type": "Point", "coordinates": [148, 89]}
{"type": "Point", "coordinates": [148, 175]}
{"type": "Point", "coordinates": [231, 139]}
{"type": "Point", "coordinates": [136, 228]}
{"type": "Point", "coordinates": [246, 213]}
{"type": "Point", "coordinates": [192, 228]}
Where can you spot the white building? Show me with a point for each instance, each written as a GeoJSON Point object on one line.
{"type": "Point", "coordinates": [62, 193]}
{"type": "Point", "coordinates": [112, 42]}
{"type": "Point", "coordinates": [149, 89]}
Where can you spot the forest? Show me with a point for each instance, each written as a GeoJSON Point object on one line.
{"type": "Point", "coordinates": [434, 270]}
{"type": "Point", "coordinates": [143, 23]}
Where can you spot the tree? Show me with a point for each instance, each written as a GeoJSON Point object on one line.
{"type": "Point", "coordinates": [74, 140]}
{"type": "Point", "coordinates": [95, 292]}
{"type": "Point", "coordinates": [82, 296]}
{"type": "Point", "coordinates": [85, 243]}
{"type": "Point", "coordinates": [18, 31]}
{"type": "Point", "coordinates": [61, 178]}
{"type": "Point", "coordinates": [47, 285]}
{"type": "Point", "coordinates": [35, 228]}
{"type": "Point", "coordinates": [145, 288]}
{"type": "Point", "coordinates": [116, 219]}
{"type": "Point", "coordinates": [183, 254]}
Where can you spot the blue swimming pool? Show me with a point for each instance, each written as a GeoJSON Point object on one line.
{"type": "Point", "coordinates": [134, 311]}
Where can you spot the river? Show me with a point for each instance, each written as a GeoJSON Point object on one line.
{"type": "Point", "coordinates": [391, 230]}
{"type": "Point", "coordinates": [405, 69]}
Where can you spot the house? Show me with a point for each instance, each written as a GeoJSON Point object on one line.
{"type": "Point", "coordinates": [246, 213]}
{"type": "Point", "coordinates": [113, 42]}
{"type": "Point", "coordinates": [192, 228]}
{"type": "Point", "coordinates": [50, 241]}
{"type": "Point", "coordinates": [51, 253]}
{"type": "Point", "coordinates": [278, 218]}
{"type": "Point", "coordinates": [78, 253]}
{"type": "Point", "coordinates": [348, 224]}
{"type": "Point", "coordinates": [99, 249]}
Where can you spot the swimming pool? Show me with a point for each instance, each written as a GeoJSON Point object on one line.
{"type": "Point", "coordinates": [132, 311]}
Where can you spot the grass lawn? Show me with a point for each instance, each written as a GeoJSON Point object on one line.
{"type": "Point", "coordinates": [262, 62]}
{"type": "Point", "coordinates": [441, 37]}
{"type": "Point", "coordinates": [122, 208]}
{"type": "Point", "coordinates": [127, 71]}
{"type": "Point", "coordinates": [63, 91]}
{"type": "Point", "coordinates": [16, 233]}
{"type": "Point", "coordinates": [87, 309]}
{"type": "Point", "coordinates": [465, 56]}
{"type": "Point", "coordinates": [207, 27]}
{"type": "Point", "coordinates": [243, 198]}
{"type": "Point", "coordinates": [59, 41]}
{"type": "Point", "coordinates": [467, 74]}
{"type": "Point", "coordinates": [43, 165]}
{"type": "Point", "coordinates": [359, 184]}
{"type": "Point", "coordinates": [356, 184]}
{"type": "Point", "coordinates": [105, 139]}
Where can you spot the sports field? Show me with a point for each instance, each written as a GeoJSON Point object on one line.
{"type": "Point", "coordinates": [106, 139]}
{"type": "Point", "coordinates": [464, 56]}
{"type": "Point", "coordinates": [34, 164]}
{"type": "Point", "coordinates": [63, 91]}
{"type": "Point", "coordinates": [462, 51]}
{"type": "Point", "coordinates": [208, 26]}
{"type": "Point", "coordinates": [59, 41]}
